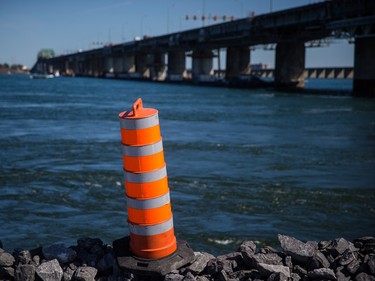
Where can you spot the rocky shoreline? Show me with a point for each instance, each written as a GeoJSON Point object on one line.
{"type": "Point", "coordinates": [91, 259]}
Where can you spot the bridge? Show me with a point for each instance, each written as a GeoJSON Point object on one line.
{"type": "Point", "coordinates": [163, 58]}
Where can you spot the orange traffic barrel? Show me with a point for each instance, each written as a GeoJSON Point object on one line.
{"type": "Point", "coordinates": [148, 201]}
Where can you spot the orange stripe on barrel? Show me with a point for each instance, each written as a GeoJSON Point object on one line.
{"type": "Point", "coordinates": [150, 216]}
{"type": "Point", "coordinates": [141, 136]}
{"type": "Point", "coordinates": [144, 163]}
{"type": "Point", "coordinates": [154, 246]}
{"type": "Point", "coordinates": [147, 189]}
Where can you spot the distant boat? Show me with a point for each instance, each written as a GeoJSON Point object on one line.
{"type": "Point", "coordinates": [41, 76]}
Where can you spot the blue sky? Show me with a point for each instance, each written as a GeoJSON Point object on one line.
{"type": "Point", "coordinates": [26, 26]}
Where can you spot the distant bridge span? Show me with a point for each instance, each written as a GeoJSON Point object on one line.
{"type": "Point", "coordinates": [164, 57]}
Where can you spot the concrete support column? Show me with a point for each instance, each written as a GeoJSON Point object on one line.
{"type": "Point", "coordinates": [157, 69]}
{"type": "Point", "coordinates": [81, 67]}
{"type": "Point", "coordinates": [98, 66]}
{"type": "Point", "coordinates": [141, 65]}
{"type": "Point", "coordinates": [290, 64]}
{"type": "Point", "coordinates": [364, 67]}
{"type": "Point", "coordinates": [118, 65]}
{"type": "Point", "coordinates": [88, 66]}
{"type": "Point", "coordinates": [238, 62]}
{"type": "Point", "coordinates": [129, 63]}
{"type": "Point", "coordinates": [108, 65]}
{"type": "Point", "coordinates": [202, 65]}
{"type": "Point", "coordinates": [176, 65]}
{"type": "Point", "coordinates": [75, 66]}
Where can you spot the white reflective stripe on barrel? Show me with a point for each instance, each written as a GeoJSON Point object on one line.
{"type": "Point", "coordinates": [144, 150]}
{"type": "Point", "coordinates": [147, 230]}
{"type": "Point", "coordinates": [142, 123]}
{"type": "Point", "coordinates": [148, 203]}
{"type": "Point", "coordinates": [146, 177]}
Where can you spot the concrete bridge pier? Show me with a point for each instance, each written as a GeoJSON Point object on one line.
{"type": "Point", "coordinates": [157, 66]}
{"type": "Point", "coordinates": [202, 68]}
{"type": "Point", "coordinates": [108, 66]}
{"type": "Point", "coordinates": [238, 62]}
{"type": "Point", "coordinates": [118, 65]}
{"type": "Point", "coordinates": [364, 67]}
{"type": "Point", "coordinates": [87, 67]}
{"type": "Point", "coordinates": [141, 68]}
{"type": "Point", "coordinates": [290, 64]}
{"type": "Point", "coordinates": [176, 65]}
{"type": "Point", "coordinates": [97, 66]}
{"type": "Point", "coordinates": [72, 67]}
{"type": "Point", "coordinates": [128, 65]}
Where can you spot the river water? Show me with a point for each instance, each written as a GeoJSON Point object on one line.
{"type": "Point", "coordinates": [242, 164]}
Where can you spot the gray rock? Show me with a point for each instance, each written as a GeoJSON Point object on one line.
{"type": "Point", "coordinates": [365, 244]}
{"type": "Point", "coordinates": [189, 277]}
{"type": "Point", "coordinates": [50, 271]}
{"type": "Point", "coordinates": [106, 262]}
{"type": "Point", "coordinates": [69, 272]}
{"type": "Point", "coordinates": [318, 261]}
{"type": "Point", "coordinates": [60, 252]}
{"type": "Point", "coordinates": [347, 257]}
{"type": "Point", "coordinates": [223, 276]}
{"type": "Point", "coordinates": [324, 244]}
{"type": "Point", "coordinates": [36, 260]}
{"type": "Point", "coordinates": [300, 270]}
{"type": "Point", "coordinates": [244, 274]}
{"type": "Point", "coordinates": [277, 276]}
{"type": "Point", "coordinates": [322, 274]}
{"type": "Point", "coordinates": [266, 270]}
{"type": "Point", "coordinates": [364, 277]}
{"type": "Point", "coordinates": [253, 260]}
{"type": "Point", "coordinates": [298, 250]}
{"type": "Point", "coordinates": [25, 272]}
{"type": "Point", "coordinates": [330, 259]}
{"type": "Point", "coordinates": [6, 272]}
{"type": "Point", "coordinates": [214, 266]}
{"type": "Point", "coordinates": [270, 258]}
{"type": "Point", "coordinates": [338, 247]}
{"type": "Point", "coordinates": [85, 273]}
{"type": "Point", "coordinates": [295, 277]}
{"type": "Point", "coordinates": [247, 246]}
{"type": "Point", "coordinates": [200, 262]}
{"type": "Point", "coordinates": [371, 264]}
{"type": "Point", "coordinates": [173, 276]}
{"type": "Point", "coordinates": [24, 257]}
{"type": "Point", "coordinates": [341, 276]}
{"type": "Point", "coordinates": [267, 250]}
{"type": "Point", "coordinates": [202, 278]}
{"type": "Point", "coordinates": [231, 261]}
{"type": "Point", "coordinates": [6, 259]}
{"type": "Point", "coordinates": [288, 262]}
{"type": "Point", "coordinates": [353, 266]}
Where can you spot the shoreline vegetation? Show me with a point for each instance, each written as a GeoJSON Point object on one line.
{"type": "Point", "coordinates": [13, 69]}
{"type": "Point", "coordinates": [91, 259]}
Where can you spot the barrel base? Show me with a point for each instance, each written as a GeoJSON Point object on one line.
{"type": "Point", "coordinates": [158, 267]}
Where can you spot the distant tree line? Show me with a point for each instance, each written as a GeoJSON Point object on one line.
{"type": "Point", "coordinates": [13, 66]}
{"type": "Point", "coordinates": [5, 67]}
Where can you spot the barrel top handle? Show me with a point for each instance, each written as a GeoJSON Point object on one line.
{"type": "Point", "coordinates": [137, 106]}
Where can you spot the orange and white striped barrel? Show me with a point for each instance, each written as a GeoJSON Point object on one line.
{"type": "Point", "coordinates": [147, 192]}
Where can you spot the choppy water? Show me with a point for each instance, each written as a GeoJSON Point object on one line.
{"type": "Point", "coordinates": [242, 164]}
